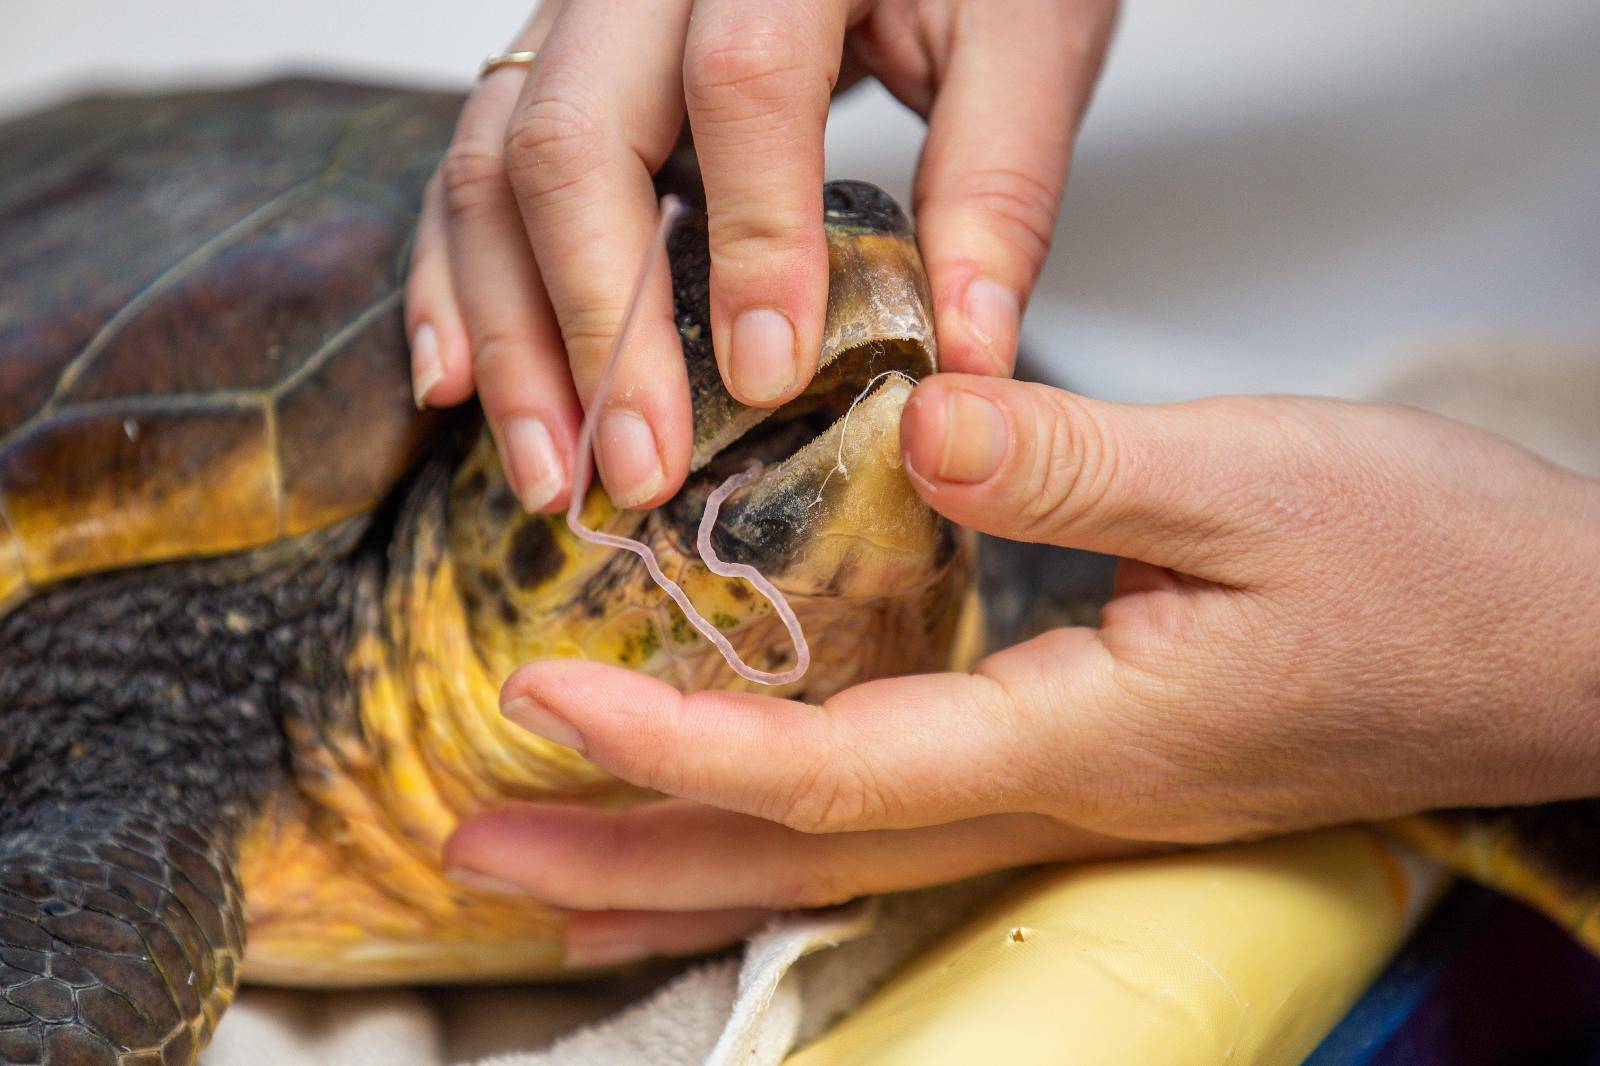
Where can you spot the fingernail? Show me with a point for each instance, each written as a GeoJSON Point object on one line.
{"type": "Point", "coordinates": [541, 721]}
{"type": "Point", "coordinates": [466, 878]}
{"type": "Point", "coordinates": [762, 363]}
{"type": "Point", "coordinates": [535, 466]}
{"type": "Point", "coordinates": [426, 369]}
{"type": "Point", "coordinates": [975, 438]}
{"type": "Point", "coordinates": [604, 954]}
{"type": "Point", "coordinates": [628, 458]}
{"type": "Point", "coordinates": [993, 319]}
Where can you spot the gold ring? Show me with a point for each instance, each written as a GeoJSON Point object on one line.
{"type": "Point", "coordinates": [506, 59]}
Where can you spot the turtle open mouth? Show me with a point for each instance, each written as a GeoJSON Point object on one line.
{"type": "Point", "coordinates": [832, 512]}
{"type": "Point", "coordinates": [837, 394]}
{"type": "Point", "coordinates": [879, 320]}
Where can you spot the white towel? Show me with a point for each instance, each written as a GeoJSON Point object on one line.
{"type": "Point", "coordinates": [790, 982]}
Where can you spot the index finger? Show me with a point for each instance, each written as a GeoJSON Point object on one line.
{"type": "Point", "coordinates": [894, 753]}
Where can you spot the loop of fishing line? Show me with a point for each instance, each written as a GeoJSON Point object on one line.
{"type": "Point", "coordinates": [671, 209]}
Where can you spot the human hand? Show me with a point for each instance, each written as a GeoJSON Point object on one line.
{"type": "Point", "coordinates": [543, 207]}
{"type": "Point", "coordinates": [1326, 612]}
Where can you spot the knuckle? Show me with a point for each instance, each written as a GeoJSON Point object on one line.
{"type": "Point", "coordinates": [492, 351]}
{"type": "Point", "coordinates": [829, 799]}
{"type": "Point", "coordinates": [1069, 472]}
{"type": "Point", "coordinates": [552, 143]}
{"type": "Point", "coordinates": [1014, 206]}
{"type": "Point", "coordinates": [587, 331]}
{"type": "Point", "coordinates": [658, 763]}
{"type": "Point", "coordinates": [748, 241]}
{"type": "Point", "coordinates": [1024, 758]}
{"type": "Point", "coordinates": [472, 177]}
{"type": "Point", "coordinates": [744, 69]}
{"type": "Point", "coordinates": [819, 886]}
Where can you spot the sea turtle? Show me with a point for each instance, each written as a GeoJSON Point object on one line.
{"type": "Point", "coordinates": [255, 606]}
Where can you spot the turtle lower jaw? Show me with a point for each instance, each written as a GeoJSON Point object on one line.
{"type": "Point", "coordinates": [838, 517]}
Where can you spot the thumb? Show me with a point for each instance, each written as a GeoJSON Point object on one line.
{"type": "Point", "coordinates": [1190, 486]}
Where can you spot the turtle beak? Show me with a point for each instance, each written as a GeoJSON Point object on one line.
{"type": "Point", "coordinates": [839, 518]}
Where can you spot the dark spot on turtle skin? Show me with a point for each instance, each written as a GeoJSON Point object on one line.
{"type": "Point", "coordinates": [682, 632]}
{"type": "Point", "coordinates": [598, 596]}
{"type": "Point", "coordinates": [470, 487]}
{"type": "Point", "coordinates": [499, 506]}
{"type": "Point", "coordinates": [533, 557]}
{"type": "Point", "coordinates": [508, 612]}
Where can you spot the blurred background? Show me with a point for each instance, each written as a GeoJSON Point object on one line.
{"type": "Point", "coordinates": [1268, 196]}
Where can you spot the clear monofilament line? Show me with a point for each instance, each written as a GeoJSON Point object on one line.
{"type": "Point", "coordinates": [671, 209]}
{"type": "Point", "coordinates": [844, 428]}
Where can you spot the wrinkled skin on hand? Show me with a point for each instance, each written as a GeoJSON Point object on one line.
{"type": "Point", "coordinates": [1326, 611]}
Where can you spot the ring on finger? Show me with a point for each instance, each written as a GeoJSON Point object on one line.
{"type": "Point", "coordinates": [505, 59]}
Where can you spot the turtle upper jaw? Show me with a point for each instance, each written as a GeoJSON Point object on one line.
{"type": "Point", "coordinates": [879, 313]}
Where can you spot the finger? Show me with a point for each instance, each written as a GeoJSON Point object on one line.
{"type": "Point", "coordinates": [441, 362]}
{"type": "Point", "coordinates": [757, 78]}
{"type": "Point", "coordinates": [519, 365]}
{"type": "Point", "coordinates": [1192, 486]}
{"type": "Point", "coordinates": [989, 184]}
{"type": "Point", "coordinates": [600, 112]}
{"type": "Point", "coordinates": [685, 856]}
{"type": "Point", "coordinates": [612, 938]}
{"type": "Point", "coordinates": [864, 759]}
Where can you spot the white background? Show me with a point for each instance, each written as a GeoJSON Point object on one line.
{"type": "Point", "coordinates": [1268, 195]}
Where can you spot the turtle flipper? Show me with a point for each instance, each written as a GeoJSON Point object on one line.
{"type": "Point", "coordinates": [120, 932]}
{"type": "Point", "coordinates": [1545, 855]}
{"type": "Point", "coordinates": [141, 739]}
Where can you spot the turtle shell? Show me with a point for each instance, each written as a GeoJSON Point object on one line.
{"type": "Point", "coordinates": [201, 346]}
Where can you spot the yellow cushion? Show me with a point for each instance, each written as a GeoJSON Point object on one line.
{"type": "Point", "coordinates": [1243, 954]}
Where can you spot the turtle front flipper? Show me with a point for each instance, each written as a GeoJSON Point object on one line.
{"type": "Point", "coordinates": [141, 741]}
{"type": "Point", "coordinates": [120, 930]}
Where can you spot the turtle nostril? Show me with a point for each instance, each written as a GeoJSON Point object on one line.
{"type": "Point", "coordinates": [862, 203]}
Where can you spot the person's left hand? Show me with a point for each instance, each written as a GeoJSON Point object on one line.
{"type": "Point", "coordinates": [1326, 612]}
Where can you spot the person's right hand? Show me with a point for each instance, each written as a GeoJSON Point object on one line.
{"type": "Point", "coordinates": [543, 208]}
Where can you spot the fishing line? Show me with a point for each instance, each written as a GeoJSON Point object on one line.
{"type": "Point", "coordinates": [671, 209]}
{"type": "Point", "coordinates": [844, 427]}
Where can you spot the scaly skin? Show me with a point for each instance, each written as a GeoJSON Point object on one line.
{"type": "Point", "coordinates": [248, 638]}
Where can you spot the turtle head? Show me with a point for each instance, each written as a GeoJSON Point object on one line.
{"type": "Point", "coordinates": [876, 578]}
